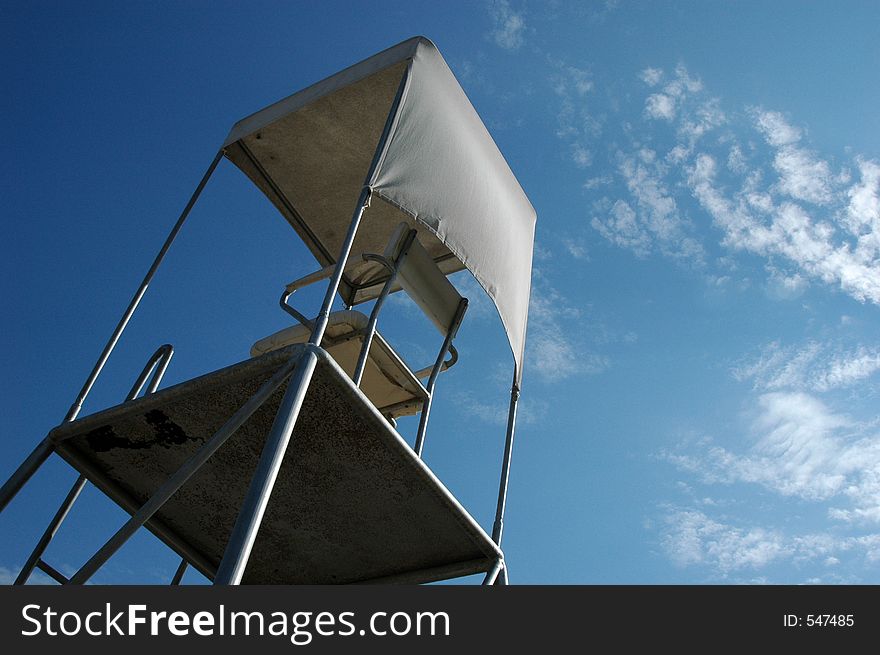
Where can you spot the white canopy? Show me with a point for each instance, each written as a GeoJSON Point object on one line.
{"type": "Point", "coordinates": [440, 171]}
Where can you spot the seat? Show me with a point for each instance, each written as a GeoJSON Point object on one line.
{"type": "Point", "coordinates": [393, 388]}
{"type": "Point", "coordinates": [387, 381]}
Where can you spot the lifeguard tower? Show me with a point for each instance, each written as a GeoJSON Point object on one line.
{"type": "Point", "coordinates": [287, 468]}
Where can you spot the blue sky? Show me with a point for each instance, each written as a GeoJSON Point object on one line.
{"type": "Point", "coordinates": [701, 383]}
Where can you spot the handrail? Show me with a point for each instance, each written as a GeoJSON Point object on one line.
{"type": "Point", "coordinates": [304, 281]}
{"type": "Point", "coordinates": [159, 361]}
{"type": "Point", "coordinates": [448, 364]}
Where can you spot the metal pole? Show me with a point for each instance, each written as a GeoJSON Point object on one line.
{"type": "Point", "coordinates": [52, 572]}
{"type": "Point", "coordinates": [241, 541]}
{"type": "Point", "coordinates": [178, 574]}
{"type": "Point", "coordinates": [438, 365]}
{"type": "Point", "coordinates": [324, 314]}
{"type": "Point", "coordinates": [159, 360]}
{"type": "Point", "coordinates": [492, 575]}
{"type": "Point", "coordinates": [135, 301]}
{"type": "Point", "coordinates": [46, 448]}
{"type": "Point", "coordinates": [374, 315]}
{"type": "Point", "coordinates": [162, 357]}
{"type": "Point", "coordinates": [363, 203]}
{"type": "Point", "coordinates": [186, 470]}
{"type": "Point", "coordinates": [24, 472]}
{"type": "Point", "coordinates": [498, 527]}
{"type": "Point", "coordinates": [48, 535]}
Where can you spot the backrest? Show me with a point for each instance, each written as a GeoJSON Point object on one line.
{"type": "Point", "coordinates": [423, 281]}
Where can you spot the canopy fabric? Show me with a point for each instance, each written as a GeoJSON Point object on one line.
{"type": "Point", "coordinates": [440, 171]}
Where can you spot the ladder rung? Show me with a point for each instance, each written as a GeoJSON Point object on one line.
{"type": "Point", "coordinates": [52, 572]}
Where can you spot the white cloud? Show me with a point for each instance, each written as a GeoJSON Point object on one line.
{"type": "Point", "coordinates": [596, 182]}
{"type": "Point", "coordinates": [792, 233]}
{"type": "Point", "coordinates": [778, 368]}
{"type": "Point", "coordinates": [530, 410]}
{"type": "Point", "coordinates": [802, 176]}
{"type": "Point", "coordinates": [705, 117]}
{"type": "Point", "coordinates": [660, 106]}
{"type": "Point", "coordinates": [575, 248]}
{"type": "Point", "coordinates": [621, 228]}
{"type": "Point", "coordinates": [776, 129]}
{"type": "Point", "coordinates": [784, 286]}
{"type": "Point", "coordinates": [690, 538]}
{"type": "Point", "coordinates": [802, 449]}
{"type": "Point", "coordinates": [808, 222]}
{"type": "Point", "coordinates": [576, 125]}
{"type": "Point", "coordinates": [657, 222]}
{"type": "Point", "coordinates": [651, 76]}
{"type": "Point", "coordinates": [509, 25]}
{"type": "Point", "coordinates": [814, 367]}
{"type": "Point", "coordinates": [581, 156]}
{"type": "Point", "coordinates": [736, 160]}
{"type": "Point", "coordinates": [862, 215]}
{"type": "Point", "coordinates": [554, 350]}
{"type": "Point", "coordinates": [847, 370]}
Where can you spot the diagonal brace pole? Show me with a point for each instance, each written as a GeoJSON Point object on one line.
{"type": "Point", "coordinates": [247, 525]}
{"type": "Point", "coordinates": [36, 459]}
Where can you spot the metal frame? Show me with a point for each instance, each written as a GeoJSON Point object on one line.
{"type": "Point", "coordinates": [158, 361]}
{"type": "Point", "coordinates": [300, 369]}
{"type": "Point", "coordinates": [244, 533]}
{"type": "Point", "coordinates": [440, 364]}
{"type": "Point", "coordinates": [377, 307]}
{"type": "Point", "coordinates": [41, 453]}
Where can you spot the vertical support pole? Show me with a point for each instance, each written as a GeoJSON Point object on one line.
{"type": "Point", "coordinates": [363, 203]}
{"type": "Point", "coordinates": [438, 365]}
{"type": "Point", "coordinates": [498, 527]}
{"type": "Point", "coordinates": [46, 448]}
{"type": "Point", "coordinates": [374, 315]}
{"type": "Point", "coordinates": [324, 314]}
{"type": "Point", "coordinates": [238, 550]}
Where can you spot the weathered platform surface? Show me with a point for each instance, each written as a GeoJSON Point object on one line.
{"type": "Point", "coordinates": [352, 502]}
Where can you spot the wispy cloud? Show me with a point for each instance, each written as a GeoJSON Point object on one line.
{"type": "Point", "coordinates": [814, 247]}
{"type": "Point", "coordinates": [508, 25]}
{"type": "Point", "coordinates": [576, 124]}
{"type": "Point", "coordinates": [666, 103]}
{"type": "Point", "coordinates": [651, 76]}
{"type": "Point", "coordinates": [690, 537]}
{"type": "Point", "coordinates": [802, 449]}
{"type": "Point", "coordinates": [530, 410]}
{"type": "Point", "coordinates": [755, 175]}
{"type": "Point", "coordinates": [555, 349]}
{"type": "Point", "coordinates": [575, 248]}
{"type": "Point", "coordinates": [653, 220]}
{"type": "Point", "coordinates": [802, 176]}
{"type": "Point", "coordinates": [814, 366]}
